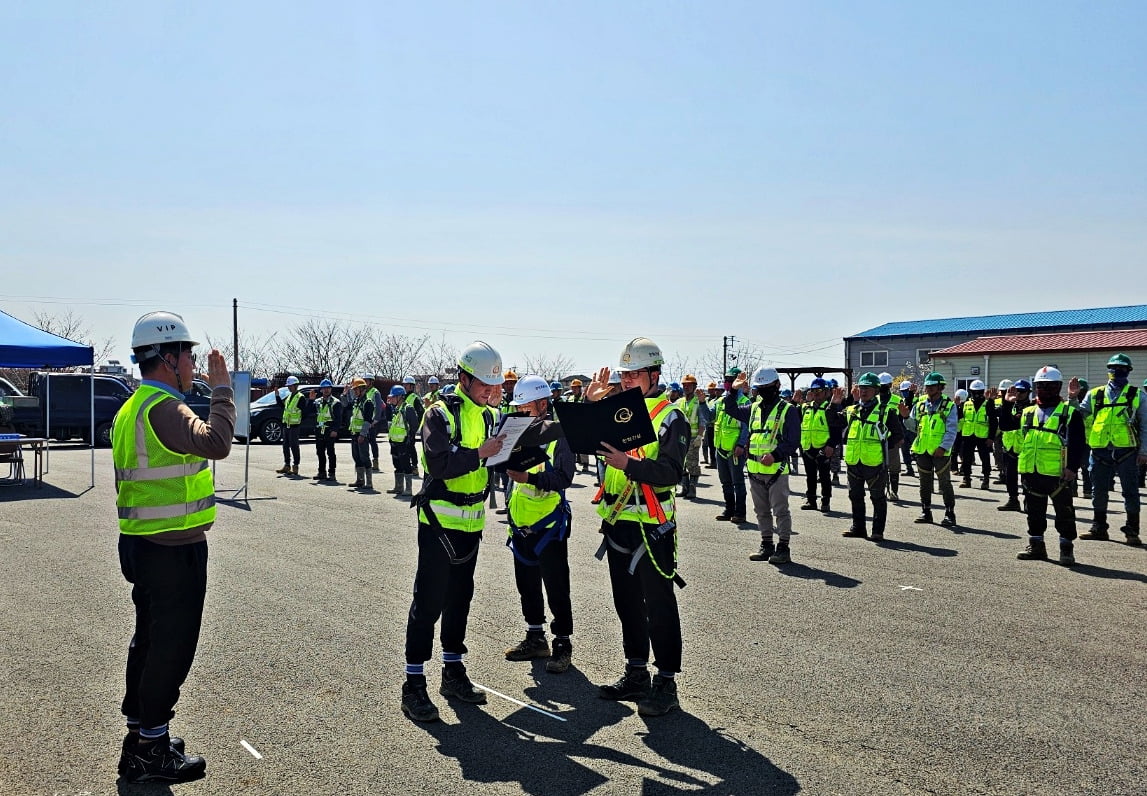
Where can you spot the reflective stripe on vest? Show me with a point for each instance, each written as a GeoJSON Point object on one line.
{"type": "Point", "coordinates": [661, 413]}
{"type": "Point", "coordinates": [397, 431]}
{"type": "Point", "coordinates": [865, 441]}
{"type": "Point", "coordinates": [692, 411]}
{"type": "Point", "coordinates": [931, 426]}
{"type": "Point", "coordinates": [323, 416]}
{"type": "Point", "coordinates": [356, 420]}
{"type": "Point", "coordinates": [157, 489]}
{"type": "Point", "coordinates": [292, 412]}
{"type": "Point", "coordinates": [1114, 424]}
{"type": "Point", "coordinates": [476, 425]}
{"type": "Point", "coordinates": [527, 503]}
{"type": "Point", "coordinates": [726, 428]}
{"type": "Point", "coordinates": [763, 436]}
{"type": "Point", "coordinates": [814, 425]}
{"type": "Point", "coordinates": [975, 420]}
{"type": "Point", "coordinates": [1043, 446]}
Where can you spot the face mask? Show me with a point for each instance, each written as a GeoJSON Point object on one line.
{"type": "Point", "coordinates": [769, 392]}
{"type": "Point", "coordinates": [1046, 396]}
{"type": "Point", "coordinates": [1118, 376]}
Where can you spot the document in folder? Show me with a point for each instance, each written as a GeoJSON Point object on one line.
{"type": "Point", "coordinates": [621, 420]}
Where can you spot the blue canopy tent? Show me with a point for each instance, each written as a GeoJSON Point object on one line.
{"type": "Point", "coordinates": [24, 346]}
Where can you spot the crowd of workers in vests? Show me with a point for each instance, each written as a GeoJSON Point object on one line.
{"type": "Point", "coordinates": [749, 430]}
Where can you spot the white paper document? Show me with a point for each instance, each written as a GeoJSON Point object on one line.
{"type": "Point", "coordinates": [512, 428]}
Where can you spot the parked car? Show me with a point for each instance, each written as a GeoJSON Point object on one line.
{"type": "Point", "coordinates": [267, 417]}
{"type": "Point", "coordinates": [71, 398]}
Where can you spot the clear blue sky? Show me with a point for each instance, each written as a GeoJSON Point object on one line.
{"type": "Point", "coordinates": [565, 176]}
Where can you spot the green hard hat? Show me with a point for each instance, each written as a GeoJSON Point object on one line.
{"type": "Point", "coordinates": [933, 378]}
{"type": "Point", "coordinates": [733, 372]}
{"type": "Point", "coordinates": [868, 380]}
{"type": "Point", "coordinates": [1120, 359]}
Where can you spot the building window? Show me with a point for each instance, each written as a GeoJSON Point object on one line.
{"type": "Point", "coordinates": [923, 355]}
{"type": "Point", "coordinates": [873, 359]}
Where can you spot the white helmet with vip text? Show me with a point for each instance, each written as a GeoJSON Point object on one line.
{"type": "Point", "coordinates": [160, 328]}
{"type": "Point", "coordinates": [640, 353]}
{"type": "Point", "coordinates": [1048, 373]}
{"type": "Point", "coordinates": [530, 389]}
{"type": "Point", "coordinates": [481, 361]}
{"type": "Point", "coordinates": [763, 376]}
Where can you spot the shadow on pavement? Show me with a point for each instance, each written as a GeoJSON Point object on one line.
{"type": "Point", "coordinates": [912, 547]}
{"type": "Point", "coordinates": [31, 491]}
{"type": "Point", "coordinates": [983, 532]}
{"type": "Point", "coordinates": [1110, 574]}
{"type": "Point", "coordinates": [805, 572]}
{"type": "Point", "coordinates": [125, 788]}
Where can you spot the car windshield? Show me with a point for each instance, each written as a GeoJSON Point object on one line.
{"type": "Point", "coordinates": [269, 398]}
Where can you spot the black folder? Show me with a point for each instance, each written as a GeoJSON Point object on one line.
{"type": "Point", "coordinates": [621, 420]}
{"type": "Point", "coordinates": [531, 447]}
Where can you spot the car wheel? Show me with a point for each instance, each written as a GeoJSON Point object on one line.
{"type": "Point", "coordinates": [104, 435]}
{"type": "Point", "coordinates": [272, 432]}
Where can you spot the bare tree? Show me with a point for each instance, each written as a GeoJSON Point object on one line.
{"type": "Point", "coordinates": [73, 327]}
{"type": "Point", "coordinates": [551, 367]}
{"type": "Point", "coordinates": [258, 355]}
{"type": "Point", "coordinates": [323, 347]}
{"type": "Point", "coordinates": [392, 356]}
{"type": "Point", "coordinates": [438, 359]}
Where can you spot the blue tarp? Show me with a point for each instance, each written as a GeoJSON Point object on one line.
{"type": "Point", "coordinates": [24, 346]}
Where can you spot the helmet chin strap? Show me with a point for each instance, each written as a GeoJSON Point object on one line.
{"type": "Point", "coordinates": [175, 370]}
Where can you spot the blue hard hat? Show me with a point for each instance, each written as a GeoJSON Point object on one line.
{"type": "Point", "coordinates": [833, 383]}
{"type": "Point", "coordinates": [1023, 384]}
{"type": "Point", "coordinates": [555, 385]}
{"type": "Point", "coordinates": [818, 384]}
{"type": "Point", "coordinates": [397, 392]}
{"type": "Point", "coordinates": [786, 393]}
{"type": "Point", "coordinates": [675, 387]}
{"type": "Point", "coordinates": [448, 389]}
{"type": "Point", "coordinates": [326, 383]}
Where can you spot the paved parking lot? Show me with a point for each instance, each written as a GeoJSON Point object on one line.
{"type": "Point", "coordinates": [935, 663]}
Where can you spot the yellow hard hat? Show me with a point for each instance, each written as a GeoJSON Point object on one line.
{"type": "Point", "coordinates": [576, 383]}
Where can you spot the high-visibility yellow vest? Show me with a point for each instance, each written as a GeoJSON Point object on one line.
{"type": "Point", "coordinates": [528, 504]}
{"type": "Point", "coordinates": [931, 426]}
{"type": "Point", "coordinates": [292, 412]}
{"type": "Point", "coordinates": [814, 425]}
{"type": "Point", "coordinates": [157, 489]}
{"type": "Point", "coordinates": [975, 420]}
{"type": "Point", "coordinates": [430, 397]}
{"type": "Point", "coordinates": [374, 395]}
{"type": "Point", "coordinates": [1113, 423]}
{"type": "Point", "coordinates": [864, 443]}
{"type": "Point", "coordinates": [726, 428]}
{"type": "Point", "coordinates": [1043, 446]}
{"type": "Point", "coordinates": [661, 413]}
{"type": "Point", "coordinates": [356, 419]}
{"type": "Point", "coordinates": [692, 409]}
{"type": "Point", "coordinates": [397, 431]}
{"type": "Point", "coordinates": [763, 436]}
{"type": "Point", "coordinates": [323, 415]}
{"type": "Point", "coordinates": [469, 426]}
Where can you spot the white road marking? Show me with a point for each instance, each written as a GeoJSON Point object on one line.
{"type": "Point", "coordinates": [250, 749]}
{"type": "Point", "coordinates": [907, 588]}
{"type": "Point", "coordinates": [543, 711]}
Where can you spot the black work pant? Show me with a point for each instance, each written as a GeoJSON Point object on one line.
{"type": "Point", "coordinates": [291, 445]}
{"type": "Point", "coordinates": [402, 457]}
{"type": "Point", "coordinates": [972, 446]}
{"type": "Point", "coordinates": [875, 479]}
{"type": "Point", "coordinates": [553, 570]}
{"type": "Point", "coordinates": [169, 583]}
{"type": "Point", "coordinates": [441, 589]}
{"type": "Point", "coordinates": [731, 474]}
{"type": "Point", "coordinates": [1038, 490]}
{"type": "Point", "coordinates": [816, 470]}
{"type": "Point", "coordinates": [325, 450]}
{"type": "Point", "coordinates": [360, 451]}
{"type": "Point", "coordinates": [645, 601]}
{"type": "Point", "coordinates": [1009, 464]}
{"type": "Point", "coordinates": [372, 441]}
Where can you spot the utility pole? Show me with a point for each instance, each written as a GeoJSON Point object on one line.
{"type": "Point", "coordinates": [726, 344]}
{"type": "Point", "coordinates": [235, 333]}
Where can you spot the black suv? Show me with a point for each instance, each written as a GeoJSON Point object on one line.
{"type": "Point", "coordinates": [267, 416]}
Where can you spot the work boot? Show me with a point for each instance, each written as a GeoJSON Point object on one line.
{"type": "Point", "coordinates": [724, 516]}
{"type": "Point", "coordinates": [984, 484]}
{"type": "Point", "coordinates": [1098, 530]}
{"type": "Point", "coordinates": [1131, 530]}
{"type": "Point", "coordinates": [493, 501]}
{"type": "Point", "coordinates": [358, 482]}
{"type": "Point", "coordinates": [876, 536]}
{"type": "Point", "coordinates": [765, 552]}
{"type": "Point", "coordinates": [855, 532]}
{"type": "Point", "coordinates": [416, 702]}
{"type": "Point", "coordinates": [534, 645]}
{"type": "Point", "coordinates": [1011, 505]}
{"type": "Point", "coordinates": [738, 519]}
{"type": "Point", "coordinates": [130, 740]}
{"type": "Point", "coordinates": [286, 468]}
{"type": "Point", "coordinates": [824, 505]}
{"type": "Point", "coordinates": [1066, 553]}
{"type": "Point", "coordinates": [966, 482]}
{"type": "Point", "coordinates": [321, 475]}
{"type": "Point", "coordinates": [632, 687]}
{"type": "Point", "coordinates": [160, 761]}
{"type": "Point", "coordinates": [782, 555]}
{"type": "Point", "coordinates": [809, 504]}
{"type": "Point", "coordinates": [684, 486]}
{"type": "Point", "coordinates": [332, 477]}
{"type": "Point", "coordinates": [374, 466]}
{"type": "Point", "coordinates": [397, 488]}
{"type": "Point", "coordinates": [560, 659]}
{"type": "Point", "coordinates": [455, 683]}
{"type": "Point", "coordinates": [925, 517]}
{"type": "Point", "coordinates": [369, 475]}
{"type": "Point", "coordinates": [949, 520]}
{"type": "Point", "coordinates": [691, 490]}
{"type": "Point", "coordinates": [407, 485]}
{"type": "Point", "coordinates": [1035, 551]}
{"type": "Point", "coordinates": [662, 697]}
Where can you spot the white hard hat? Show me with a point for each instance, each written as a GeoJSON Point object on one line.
{"type": "Point", "coordinates": [962, 395]}
{"type": "Point", "coordinates": [159, 328]}
{"type": "Point", "coordinates": [615, 377]}
{"type": "Point", "coordinates": [368, 377]}
{"type": "Point", "coordinates": [530, 389]}
{"type": "Point", "coordinates": [432, 380]}
{"type": "Point", "coordinates": [640, 353]}
{"type": "Point", "coordinates": [763, 376]}
{"type": "Point", "coordinates": [1048, 373]}
{"type": "Point", "coordinates": [886, 378]}
{"type": "Point", "coordinates": [292, 380]}
{"type": "Point", "coordinates": [481, 361]}
{"type": "Point", "coordinates": [408, 380]}
{"type": "Point", "coordinates": [977, 385]}
{"type": "Point", "coordinates": [1004, 384]}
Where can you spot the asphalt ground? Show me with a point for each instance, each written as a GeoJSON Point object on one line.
{"type": "Point", "coordinates": [935, 663]}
